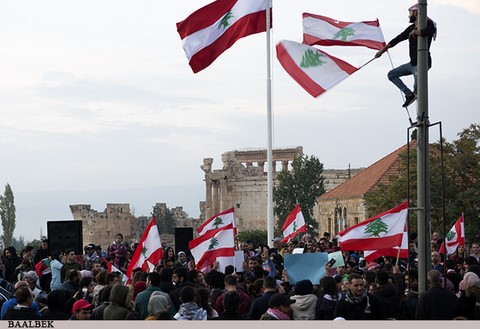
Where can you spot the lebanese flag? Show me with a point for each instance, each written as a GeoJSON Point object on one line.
{"type": "Point", "coordinates": [294, 224]}
{"type": "Point", "coordinates": [371, 255]}
{"type": "Point", "coordinates": [212, 29]}
{"type": "Point", "coordinates": [325, 31]}
{"type": "Point", "coordinates": [148, 252]}
{"type": "Point", "coordinates": [314, 70]}
{"type": "Point", "coordinates": [379, 232]}
{"type": "Point", "coordinates": [214, 243]}
{"type": "Point", "coordinates": [217, 221]}
{"type": "Point", "coordinates": [113, 269]}
{"type": "Point", "coordinates": [455, 237]}
{"type": "Point", "coordinates": [43, 267]}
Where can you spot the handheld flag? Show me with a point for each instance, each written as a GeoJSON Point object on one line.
{"type": "Point", "coordinates": [214, 243]}
{"type": "Point", "coordinates": [294, 224]}
{"type": "Point", "coordinates": [314, 70]}
{"type": "Point", "coordinates": [212, 29]}
{"type": "Point", "coordinates": [325, 31]}
{"type": "Point", "coordinates": [371, 255]}
{"type": "Point", "coordinates": [217, 221]}
{"type": "Point", "coordinates": [113, 269]}
{"type": "Point", "coordinates": [379, 232]}
{"type": "Point", "coordinates": [148, 252]}
{"type": "Point", "coordinates": [455, 237]}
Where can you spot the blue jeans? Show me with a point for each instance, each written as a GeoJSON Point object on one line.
{"type": "Point", "coordinates": [401, 71]}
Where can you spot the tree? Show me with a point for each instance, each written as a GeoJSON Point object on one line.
{"type": "Point", "coordinates": [164, 219]}
{"type": "Point", "coordinates": [7, 214]}
{"type": "Point", "coordinates": [256, 236]}
{"type": "Point", "coordinates": [461, 181]}
{"type": "Point", "coordinates": [301, 185]}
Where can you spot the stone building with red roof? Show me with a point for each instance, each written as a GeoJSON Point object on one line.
{"type": "Point", "coordinates": [344, 205]}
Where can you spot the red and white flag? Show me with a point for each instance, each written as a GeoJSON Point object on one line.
{"type": "Point", "coordinates": [379, 232]}
{"type": "Point", "coordinates": [294, 224]}
{"type": "Point", "coordinates": [219, 220]}
{"type": "Point", "coordinates": [113, 269]}
{"type": "Point", "coordinates": [455, 237]}
{"type": "Point", "coordinates": [214, 243]}
{"type": "Point", "coordinates": [371, 255]}
{"type": "Point", "coordinates": [212, 29]}
{"type": "Point", "coordinates": [148, 252]}
{"type": "Point", "coordinates": [325, 31]}
{"type": "Point", "coordinates": [314, 70]}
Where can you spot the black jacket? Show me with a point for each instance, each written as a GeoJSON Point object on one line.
{"type": "Point", "coordinates": [429, 32]}
{"type": "Point", "coordinates": [369, 309]}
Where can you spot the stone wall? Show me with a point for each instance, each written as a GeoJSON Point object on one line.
{"type": "Point", "coordinates": [242, 184]}
{"type": "Point", "coordinates": [100, 228]}
{"type": "Point", "coordinates": [335, 215]}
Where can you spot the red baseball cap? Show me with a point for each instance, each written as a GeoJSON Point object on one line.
{"type": "Point", "coordinates": [82, 304]}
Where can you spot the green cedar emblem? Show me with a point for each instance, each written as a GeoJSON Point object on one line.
{"type": "Point", "coordinates": [451, 235]}
{"type": "Point", "coordinates": [144, 250]}
{"type": "Point", "coordinates": [376, 227]}
{"type": "Point", "coordinates": [294, 226]}
{"type": "Point", "coordinates": [224, 22]}
{"type": "Point", "coordinates": [213, 243]}
{"type": "Point", "coordinates": [311, 58]}
{"type": "Point", "coordinates": [217, 221]}
{"type": "Point", "coordinates": [343, 34]}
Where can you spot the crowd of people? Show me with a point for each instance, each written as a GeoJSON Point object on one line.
{"type": "Point", "coordinates": [62, 285]}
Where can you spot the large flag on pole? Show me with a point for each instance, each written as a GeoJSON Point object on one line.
{"type": "Point", "coordinates": [379, 232]}
{"type": "Point", "coordinates": [294, 224]}
{"type": "Point", "coordinates": [217, 221]}
{"type": "Point", "coordinates": [455, 237]}
{"type": "Point", "coordinates": [325, 31]}
{"type": "Point", "coordinates": [214, 243]}
{"type": "Point", "coordinates": [371, 255]}
{"type": "Point", "coordinates": [148, 252]}
{"type": "Point", "coordinates": [314, 70]}
{"type": "Point", "coordinates": [212, 29]}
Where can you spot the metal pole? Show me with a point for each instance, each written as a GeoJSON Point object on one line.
{"type": "Point", "coordinates": [270, 222]}
{"type": "Point", "coordinates": [423, 161]}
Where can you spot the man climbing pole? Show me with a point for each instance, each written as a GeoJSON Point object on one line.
{"type": "Point", "coordinates": [411, 33]}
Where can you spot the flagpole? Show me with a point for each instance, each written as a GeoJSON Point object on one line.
{"type": "Point", "coordinates": [367, 62]}
{"type": "Point", "coordinates": [269, 134]}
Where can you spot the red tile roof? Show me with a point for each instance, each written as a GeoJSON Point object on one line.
{"type": "Point", "coordinates": [365, 180]}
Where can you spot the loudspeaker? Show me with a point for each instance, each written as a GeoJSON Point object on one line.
{"type": "Point", "coordinates": [64, 234]}
{"type": "Point", "coordinates": [183, 235]}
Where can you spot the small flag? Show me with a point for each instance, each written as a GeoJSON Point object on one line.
{"type": "Point", "coordinates": [314, 70]}
{"type": "Point", "coordinates": [325, 31]}
{"type": "Point", "coordinates": [217, 221]}
{"type": "Point", "coordinates": [113, 269]}
{"type": "Point", "coordinates": [455, 237]}
{"type": "Point", "coordinates": [294, 224]}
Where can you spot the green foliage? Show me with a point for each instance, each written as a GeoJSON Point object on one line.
{"type": "Point", "coordinates": [256, 236]}
{"type": "Point", "coordinates": [302, 185]}
{"type": "Point", "coordinates": [164, 219]}
{"type": "Point", "coordinates": [7, 214]}
{"type": "Point", "coordinates": [462, 181]}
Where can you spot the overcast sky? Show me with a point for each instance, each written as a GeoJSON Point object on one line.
{"type": "Point", "coordinates": [98, 95]}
